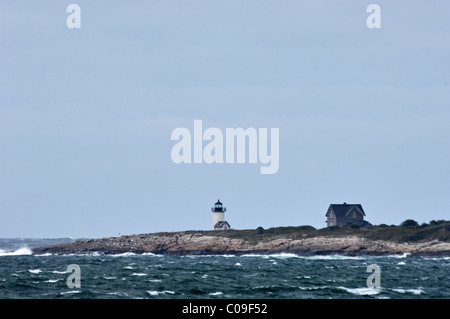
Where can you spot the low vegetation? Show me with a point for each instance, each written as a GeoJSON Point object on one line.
{"type": "Point", "coordinates": [408, 231]}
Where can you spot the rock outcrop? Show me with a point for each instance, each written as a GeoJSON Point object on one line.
{"type": "Point", "coordinates": [195, 244]}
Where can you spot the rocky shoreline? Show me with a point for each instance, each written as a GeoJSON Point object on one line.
{"type": "Point", "coordinates": [195, 244]}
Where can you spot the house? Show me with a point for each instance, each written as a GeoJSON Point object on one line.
{"type": "Point", "coordinates": [346, 215]}
{"type": "Point", "coordinates": [222, 225]}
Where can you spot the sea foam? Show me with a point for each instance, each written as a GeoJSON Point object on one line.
{"type": "Point", "coordinates": [332, 257]}
{"type": "Point", "coordinates": [59, 272]}
{"type": "Point", "coordinates": [361, 291]}
{"type": "Point", "coordinates": [278, 255]}
{"type": "Point", "coordinates": [417, 291]}
{"type": "Point", "coordinates": [70, 292]}
{"type": "Point", "coordinates": [52, 280]}
{"type": "Point", "coordinates": [18, 252]}
{"type": "Point", "coordinates": [217, 293]}
{"type": "Point", "coordinates": [35, 271]}
{"type": "Point", "coordinates": [404, 255]}
{"type": "Point", "coordinates": [156, 293]}
{"type": "Point", "coordinates": [127, 254]}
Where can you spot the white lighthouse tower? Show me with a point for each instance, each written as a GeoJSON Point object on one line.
{"type": "Point", "coordinates": [219, 222]}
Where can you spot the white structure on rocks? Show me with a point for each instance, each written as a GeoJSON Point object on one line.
{"type": "Point", "coordinates": [219, 222]}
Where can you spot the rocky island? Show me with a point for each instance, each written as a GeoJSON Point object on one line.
{"type": "Point", "coordinates": [424, 240]}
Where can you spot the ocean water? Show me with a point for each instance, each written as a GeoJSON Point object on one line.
{"type": "Point", "coordinates": [23, 275]}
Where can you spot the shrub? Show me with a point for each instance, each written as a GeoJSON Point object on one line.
{"type": "Point", "coordinates": [437, 222]}
{"type": "Point", "coordinates": [260, 230]}
{"type": "Point", "coordinates": [354, 226]}
{"type": "Point", "coordinates": [306, 227]}
{"type": "Point", "coordinates": [333, 227]}
{"type": "Point", "coordinates": [383, 225]}
{"type": "Point", "coordinates": [409, 223]}
{"type": "Point", "coordinates": [415, 236]}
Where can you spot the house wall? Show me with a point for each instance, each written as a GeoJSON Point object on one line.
{"type": "Point", "coordinates": [346, 221]}
{"type": "Point", "coordinates": [224, 227]}
{"type": "Point", "coordinates": [331, 219]}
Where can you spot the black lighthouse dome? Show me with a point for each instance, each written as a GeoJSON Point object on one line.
{"type": "Point", "coordinates": [218, 207]}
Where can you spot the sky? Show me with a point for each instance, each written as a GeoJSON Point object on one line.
{"type": "Point", "coordinates": [86, 114]}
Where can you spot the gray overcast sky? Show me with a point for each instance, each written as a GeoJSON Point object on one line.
{"type": "Point", "coordinates": [86, 114]}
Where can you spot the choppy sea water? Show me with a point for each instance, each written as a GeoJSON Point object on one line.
{"type": "Point", "coordinates": [128, 275]}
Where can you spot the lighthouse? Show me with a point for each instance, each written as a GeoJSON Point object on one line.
{"type": "Point", "coordinates": [219, 222]}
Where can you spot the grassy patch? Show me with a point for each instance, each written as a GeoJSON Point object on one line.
{"type": "Point", "coordinates": [407, 233]}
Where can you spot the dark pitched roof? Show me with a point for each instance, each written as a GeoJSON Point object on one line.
{"type": "Point", "coordinates": [340, 210]}
{"type": "Point", "coordinates": [221, 223]}
{"type": "Point", "coordinates": [218, 202]}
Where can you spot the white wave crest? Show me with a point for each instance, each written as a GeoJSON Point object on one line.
{"type": "Point", "coordinates": [52, 280]}
{"type": "Point", "coordinates": [278, 255]}
{"type": "Point", "coordinates": [313, 287]}
{"type": "Point", "coordinates": [127, 254]}
{"type": "Point", "coordinates": [18, 252]}
{"type": "Point", "coordinates": [155, 280]}
{"type": "Point", "coordinates": [117, 293]}
{"type": "Point", "coordinates": [129, 267]}
{"type": "Point", "coordinates": [70, 292]}
{"type": "Point", "coordinates": [151, 254]}
{"type": "Point", "coordinates": [284, 255]}
{"type": "Point", "coordinates": [138, 274]}
{"type": "Point", "coordinates": [417, 291]}
{"type": "Point", "coordinates": [59, 272]}
{"type": "Point", "coordinates": [256, 255]}
{"type": "Point", "coordinates": [404, 255]}
{"type": "Point", "coordinates": [156, 293]}
{"type": "Point", "coordinates": [332, 257]}
{"type": "Point", "coordinates": [437, 258]}
{"type": "Point", "coordinates": [35, 271]}
{"type": "Point", "coordinates": [92, 254]}
{"type": "Point", "coordinates": [206, 256]}
{"type": "Point", "coordinates": [217, 293]}
{"type": "Point", "coordinates": [362, 291]}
